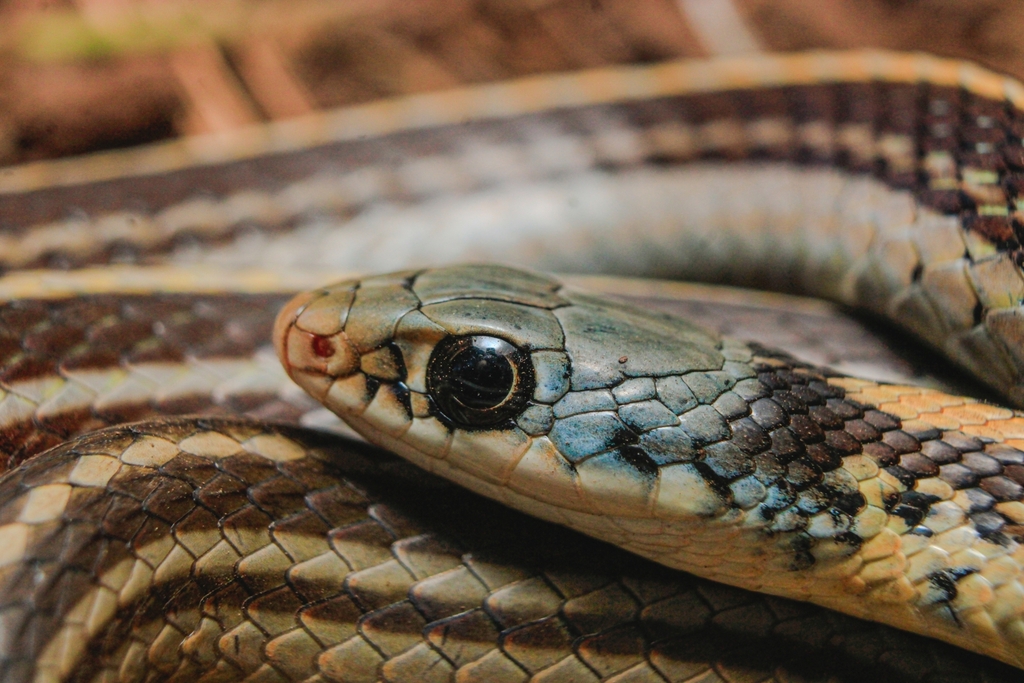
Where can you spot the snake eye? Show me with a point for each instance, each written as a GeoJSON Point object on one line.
{"type": "Point", "coordinates": [479, 382]}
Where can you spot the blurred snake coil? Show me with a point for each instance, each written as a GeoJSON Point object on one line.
{"type": "Point", "coordinates": [175, 508]}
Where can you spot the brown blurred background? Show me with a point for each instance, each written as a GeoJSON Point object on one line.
{"type": "Point", "coordinates": [84, 75]}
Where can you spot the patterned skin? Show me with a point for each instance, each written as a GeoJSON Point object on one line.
{"type": "Point", "coordinates": [228, 550]}
{"type": "Point", "coordinates": [701, 453]}
{"type": "Point", "coordinates": [882, 180]}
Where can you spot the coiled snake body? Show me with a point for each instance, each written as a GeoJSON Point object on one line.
{"type": "Point", "coordinates": [220, 548]}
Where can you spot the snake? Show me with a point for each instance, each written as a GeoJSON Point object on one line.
{"type": "Point", "coordinates": [176, 508]}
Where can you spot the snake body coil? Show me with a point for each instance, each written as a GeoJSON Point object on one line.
{"type": "Point", "coordinates": [220, 548]}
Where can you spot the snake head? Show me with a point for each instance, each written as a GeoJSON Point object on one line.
{"type": "Point", "coordinates": [565, 405]}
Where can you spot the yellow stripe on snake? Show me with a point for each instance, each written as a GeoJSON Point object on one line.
{"type": "Point", "coordinates": [254, 543]}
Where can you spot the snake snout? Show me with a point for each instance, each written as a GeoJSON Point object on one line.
{"type": "Point", "coordinates": [310, 341]}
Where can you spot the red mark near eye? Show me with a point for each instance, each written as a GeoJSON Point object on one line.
{"type": "Point", "coordinates": [322, 346]}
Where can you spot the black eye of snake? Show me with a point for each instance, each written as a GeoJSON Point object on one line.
{"type": "Point", "coordinates": [479, 382]}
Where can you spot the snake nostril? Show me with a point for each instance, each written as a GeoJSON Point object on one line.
{"type": "Point", "coordinates": [303, 352]}
{"type": "Point", "coordinates": [322, 346]}
{"type": "Point", "coordinates": [331, 355]}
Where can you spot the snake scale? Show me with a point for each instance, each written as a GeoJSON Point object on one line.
{"type": "Point", "coordinates": [245, 545]}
